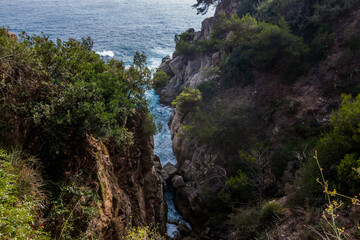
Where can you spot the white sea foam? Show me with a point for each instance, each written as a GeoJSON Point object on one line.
{"type": "Point", "coordinates": [154, 63]}
{"type": "Point", "coordinates": [106, 53]}
{"type": "Point", "coordinates": [162, 51]}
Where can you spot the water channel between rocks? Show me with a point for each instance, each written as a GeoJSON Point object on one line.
{"type": "Point", "coordinates": [163, 149]}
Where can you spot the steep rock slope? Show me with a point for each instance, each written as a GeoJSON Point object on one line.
{"type": "Point", "coordinates": [131, 187]}
{"type": "Point", "coordinates": [305, 103]}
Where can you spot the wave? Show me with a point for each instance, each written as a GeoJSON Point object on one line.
{"type": "Point", "coordinates": [154, 63]}
{"type": "Point", "coordinates": [105, 53]}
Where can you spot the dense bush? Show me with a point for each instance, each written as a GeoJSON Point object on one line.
{"type": "Point", "coordinates": [259, 45]}
{"type": "Point", "coordinates": [228, 127]}
{"type": "Point", "coordinates": [160, 80]}
{"type": "Point", "coordinates": [251, 223]}
{"type": "Point", "coordinates": [143, 233]}
{"type": "Point", "coordinates": [184, 44]}
{"type": "Point", "coordinates": [53, 94]}
{"type": "Point", "coordinates": [338, 154]}
{"type": "Point", "coordinates": [21, 200]}
{"type": "Point", "coordinates": [208, 89]}
{"type": "Point", "coordinates": [187, 100]}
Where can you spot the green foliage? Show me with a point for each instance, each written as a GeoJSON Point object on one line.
{"type": "Point", "coordinates": [320, 45]}
{"type": "Point", "coordinates": [160, 80]}
{"type": "Point", "coordinates": [54, 94]}
{"type": "Point", "coordinates": [260, 45]}
{"type": "Point", "coordinates": [187, 46]}
{"type": "Point", "coordinates": [208, 89]}
{"type": "Point", "coordinates": [228, 127]}
{"type": "Point", "coordinates": [184, 44]}
{"type": "Point", "coordinates": [250, 222]}
{"type": "Point", "coordinates": [270, 211]}
{"type": "Point", "coordinates": [338, 152]}
{"type": "Point", "coordinates": [346, 171]}
{"type": "Point", "coordinates": [246, 221]}
{"type": "Point", "coordinates": [187, 100]}
{"type": "Point", "coordinates": [240, 187]}
{"type": "Point", "coordinates": [143, 233]}
{"type": "Point", "coordinates": [20, 201]}
{"type": "Point", "coordinates": [247, 7]}
{"type": "Point", "coordinates": [72, 208]}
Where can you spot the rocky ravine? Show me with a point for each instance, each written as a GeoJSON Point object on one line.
{"type": "Point", "coordinates": [200, 166]}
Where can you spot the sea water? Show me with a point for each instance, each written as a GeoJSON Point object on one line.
{"type": "Point", "coordinates": [119, 28]}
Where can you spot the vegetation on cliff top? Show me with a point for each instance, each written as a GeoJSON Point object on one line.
{"type": "Point", "coordinates": [54, 94]}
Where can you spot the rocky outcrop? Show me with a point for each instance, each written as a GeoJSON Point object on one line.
{"type": "Point", "coordinates": [129, 184]}
{"type": "Point", "coordinates": [199, 168]}
{"type": "Point", "coordinates": [200, 174]}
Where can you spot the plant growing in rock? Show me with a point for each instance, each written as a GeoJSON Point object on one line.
{"type": "Point", "coordinates": [187, 100]}
{"type": "Point", "coordinates": [160, 80]}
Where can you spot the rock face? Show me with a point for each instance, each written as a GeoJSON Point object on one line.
{"type": "Point", "coordinates": [198, 165]}
{"type": "Point", "coordinates": [203, 167]}
{"type": "Point", "coordinates": [129, 184]}
{"type": "Point", "coordinates": [200, 174]}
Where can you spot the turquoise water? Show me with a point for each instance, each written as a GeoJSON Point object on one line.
{"type": "Point", "coordinates": [119, 28]}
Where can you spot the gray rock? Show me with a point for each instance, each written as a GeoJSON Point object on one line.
{"type": "Point", "coordinates": [164, 175]}
{"type": "Point", "coordinates": [177, 181]}
{"type": "Point", "coordinates": [169, 170]}
{"type": "Point", "coordinates": [164, 66]}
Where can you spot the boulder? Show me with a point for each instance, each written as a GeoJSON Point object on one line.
{"type": "Point", "coordinates": [164, 66]}
{"type": "Point", "coordinates": [184, 229]}
{"type": "Point", "coordinates": [168, 171]}
{"type": "Point", "coordinates": [177, 181]}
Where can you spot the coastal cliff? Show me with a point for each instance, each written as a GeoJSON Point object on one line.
{"type": "Point", "coordinates": [85, 167]}
{"type": "Point", "coordinates": [264, 119]}
{"type": "Point", "coordinates": [130, 186]}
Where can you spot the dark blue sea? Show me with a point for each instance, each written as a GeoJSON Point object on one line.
{"type": "Point", "coordinates": [119, 28]}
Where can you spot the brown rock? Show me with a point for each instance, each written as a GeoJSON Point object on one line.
{"type": "Point", "coordinates": [177, 181]}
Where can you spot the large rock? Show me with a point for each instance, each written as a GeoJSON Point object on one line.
{"type": "Point", "coordinates": [164, 66]}
{"type": "Point", "coordinates": [168, 171]}
{"type": "Point", "coordinates": [184, 229]}
{"type": "Point", "coordinates": [177, 181]}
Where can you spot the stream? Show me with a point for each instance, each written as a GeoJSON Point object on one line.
{"type": "Point", "coordinates": [163, 149]}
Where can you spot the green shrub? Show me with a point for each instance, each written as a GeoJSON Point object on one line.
{"type": "Point", "coordinates": [228, 127]}
{"type": "Point", "coordinates": [21, 199]}
{"type": "Point", "coordinates": [270, 211]}
{"type": "Point", "coordinates": [160, 80]}
{"type": "Point", "coordinates": [240, 187]}
{"type": "Point", "coordinates": [208, 89]}
{"type": "Point", "coordinates": [320, 45]}
{"type": "Point", "coordinates": [247, 7]}
{"type": "Point", "coordinates": [246, 221]}
{"type": "Point", "coordinates": [184, 44]}
{"type": "Point", "coordinates": [72, 208]}
{"type": "Point", "coordinates": [143, 233]}
{"type": "Point", "coordinates": [54, 94]}
{"type": "Point", "coordinates": [338, 151]}
{"type": "Point", "coordinates": [187, 100]}
{"type": "Point", "coordinates": [346, 171]}
{"type": "Point", "coordinates": [263, 46]}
